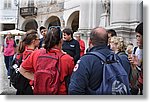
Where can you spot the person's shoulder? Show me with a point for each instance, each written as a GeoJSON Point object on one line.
{"type": "Point", "coordinates": [88, 57]}
{"type": "Point", "coordinates": [66, 57]}
{"type": "Point", "coordinates": [75, 41]}
{"type": "Point", "coordinates": [37, 52]}
{"type": "Point", "coordinates": [82, 40]}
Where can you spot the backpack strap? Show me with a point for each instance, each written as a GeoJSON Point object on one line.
{"type": "Point", "coordinates": [134, 50]}
{"type": "Point", "coordinates": [122, 53]}
{"type": "Point", "coordinates": [111, 58]}
{"type": "Point", "coordinates": [20, 59]}
{"type": "Point", "coordinates": [99, 55]}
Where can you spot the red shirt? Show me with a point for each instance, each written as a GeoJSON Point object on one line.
{"type": "Point", "coordinates": [9, 50]}
{"type": "Point", "coordinates": [66, 62]}
{"type": "Point", "coordinates": [26, 53]}
{"type": "Point", "coordinates": [82, 47]}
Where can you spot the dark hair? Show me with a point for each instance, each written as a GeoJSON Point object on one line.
{"type": "Point", "coordinates": [27, 40]}
{"type": "Point", "coordinates": [139, 28]}
{"type": "Point", "coordinates": [98, 38]}
{"type": "Point", "coordinates": [53, 37]}
{"type": "Point", "coordinates": [42, 27]}
{"type": "Point", "coordinates": [112, 31]}
{"type": "Point", "coordinates": [68, 31]}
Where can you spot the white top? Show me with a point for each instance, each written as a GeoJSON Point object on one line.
{"type": "Point", "coordinates": [139, 54]}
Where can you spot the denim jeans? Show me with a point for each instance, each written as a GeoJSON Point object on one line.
{"type": "Point", "coordinates": [8, 60]}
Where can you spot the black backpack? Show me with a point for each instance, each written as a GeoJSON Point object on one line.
{"type": "Point", "coordinates": [17, 80]}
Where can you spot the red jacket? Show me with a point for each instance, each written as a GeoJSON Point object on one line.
{"type": "Point", "coordinates": [82, 47]}
{"type": "Point", "coordinates": [66, 62]}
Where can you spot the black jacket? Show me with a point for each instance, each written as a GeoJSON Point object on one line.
{"type": "Point", "coordinates": [72, 48]}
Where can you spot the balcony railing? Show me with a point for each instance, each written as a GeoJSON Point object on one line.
{"type": "Point", "coordinates": [28, 11]}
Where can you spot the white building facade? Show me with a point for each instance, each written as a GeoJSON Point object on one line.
{"type": "Point", "coordinates": [83, 15]}
{"type": "Point", "coordinates": [8, 16]}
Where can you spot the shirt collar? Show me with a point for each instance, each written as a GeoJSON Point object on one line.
{"type": "Point", "coordinates": [95, 48]}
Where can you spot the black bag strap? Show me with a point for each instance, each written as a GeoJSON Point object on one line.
{"type": "Point", "coordinates": [134, 50]}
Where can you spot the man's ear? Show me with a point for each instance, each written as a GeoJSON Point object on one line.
{"type": "Point", "coordinates": [90, 42]}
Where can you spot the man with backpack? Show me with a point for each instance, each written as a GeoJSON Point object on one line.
{"type": "Point", "coordinates": [49, 68]}
{"type": "Point", "coordinates": [98, 71]}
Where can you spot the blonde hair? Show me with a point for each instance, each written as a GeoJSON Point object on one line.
{"type": "Point", "coordinates": [129, 49]}
{"type": "Point", "coordinates": [119, 41]}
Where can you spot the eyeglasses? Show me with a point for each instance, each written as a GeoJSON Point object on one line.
{"type": "Point", "coordinates": [59, 30]}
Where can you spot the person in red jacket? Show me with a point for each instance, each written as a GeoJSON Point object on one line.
{"type": "Point", "coordinates": [53, 45]}
{"type": "Point", "coordinates": [29, 43]}
{"type": "Point", "coordinates": [81, 42]}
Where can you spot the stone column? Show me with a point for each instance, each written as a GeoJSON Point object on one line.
{"type": "Point", "coordinates": [124, 18]}
{"type": "Point", "coordinates": [84, 18]}
{"type": "Point", "coordinates": [120, 12]}
{"type": "Point", "coordinates": [105, 16]}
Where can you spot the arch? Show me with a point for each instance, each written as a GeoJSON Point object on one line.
{"type": "Point", "coordinates": [73, 21]}
{"type": "Point", "coordinates": [52, 21]}
{"type": "Point", "coordinates": [30, 24]}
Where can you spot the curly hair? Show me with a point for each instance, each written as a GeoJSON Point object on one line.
{"type": "Point", "coordinates": [119, 41]}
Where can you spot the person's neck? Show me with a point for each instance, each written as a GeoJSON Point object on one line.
{"type": "Point", "coordinates": [57, 47]}
{"type": "Point", "coordinates": [70, 39]}
{"type": "Point", "coordinates": [141, 47]}
{"type": "Point", "coordinates": [31, 47]}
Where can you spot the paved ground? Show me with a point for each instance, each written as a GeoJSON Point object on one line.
{"type": "Point", "coordinates": [5, 88]}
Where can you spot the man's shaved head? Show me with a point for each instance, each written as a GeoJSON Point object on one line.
{"type": "Point", "coordinates": [99, 36]}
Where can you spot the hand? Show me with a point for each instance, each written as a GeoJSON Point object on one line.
{"type": "Point", "coordinates": [133, 59]}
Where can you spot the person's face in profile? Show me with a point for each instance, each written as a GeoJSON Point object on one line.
{"type": "Point", "coordinates": [139, 39]}
{"type": "Point", "coordinates": [44, 32]}
{"type": "Point", "coordinates": [66, 37]}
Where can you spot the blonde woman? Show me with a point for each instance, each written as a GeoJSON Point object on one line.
{"type": "Point", "coordinates": [118, 46]}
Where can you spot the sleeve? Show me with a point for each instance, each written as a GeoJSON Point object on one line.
{"type": "Point", "coordinates": [125, 63]}
{"type": "Point", "coordinates": [79, 78]}
{"type": "Point", "coordinates": [29, 62]}
{"type": "Point", "coordinates": [82, 46]}
{"type": "Point", "coordinates": [67, 63]}
{"type": "Point", "coordinates": [77, 52]}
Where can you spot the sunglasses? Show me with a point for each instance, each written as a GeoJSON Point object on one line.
{"type": "Point", "coordinates": [58, 28]}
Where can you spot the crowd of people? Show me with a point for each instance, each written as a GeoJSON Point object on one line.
{"type": "Point", "coordinates": [58, 63]}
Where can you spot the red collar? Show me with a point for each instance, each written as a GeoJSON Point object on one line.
{"type": "Point", "coordinates": [54, 50]}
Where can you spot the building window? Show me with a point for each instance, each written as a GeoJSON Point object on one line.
{"type": "Point", "coordinates": [7, 4]}
{"type": "Point", "coordinates": [30, 3]}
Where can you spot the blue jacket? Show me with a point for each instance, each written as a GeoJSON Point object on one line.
{"type": "Point", "coordinates": [87, 73]}
{"type": "Point", "coordinates": [125, 62]}
{"type": "Point", "coordinates": [41, 42]}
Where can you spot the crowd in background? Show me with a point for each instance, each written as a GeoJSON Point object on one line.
{"type": "Point", "coordinates": [71, 54]}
